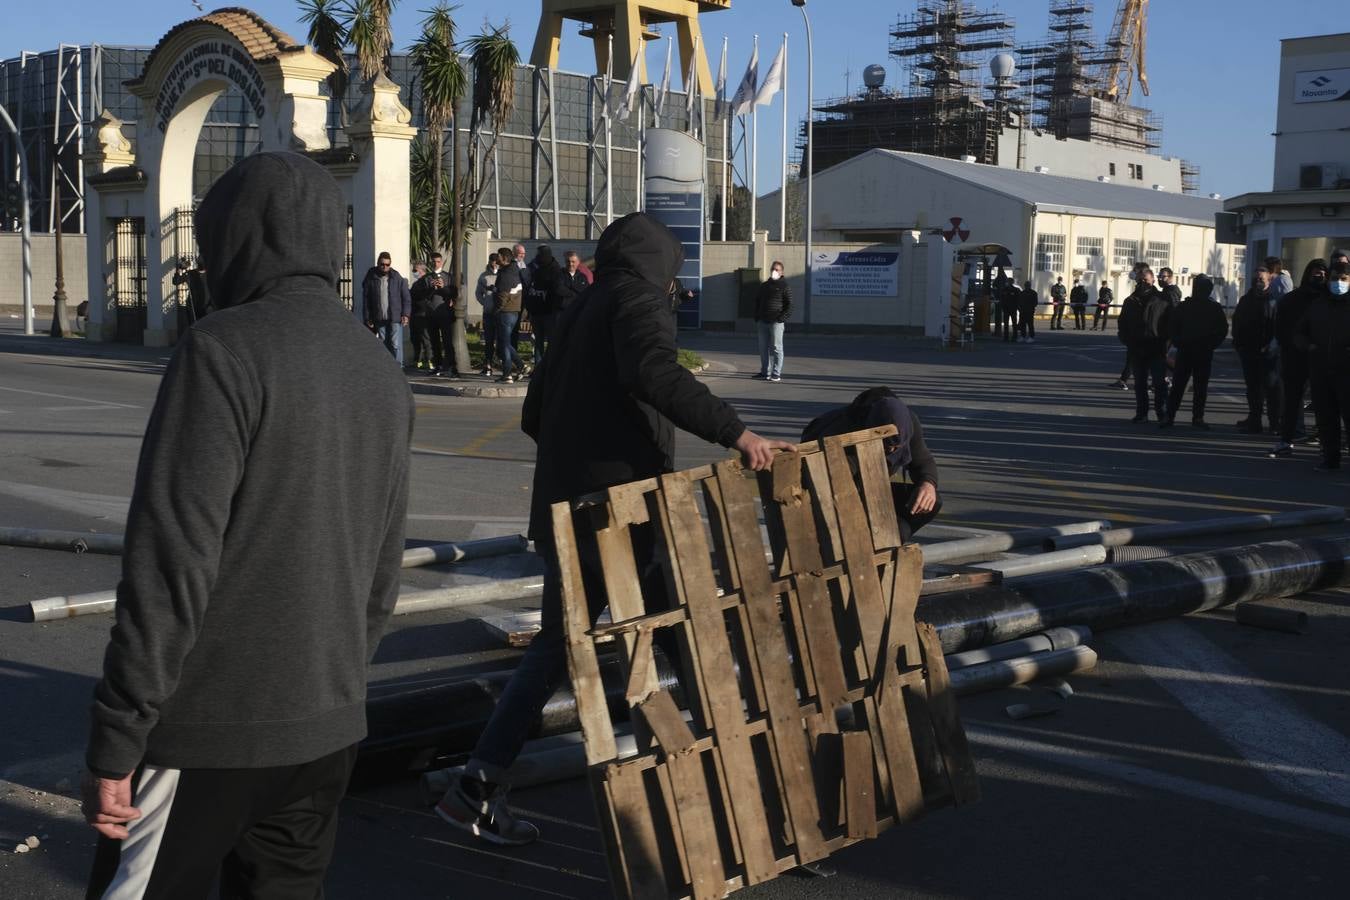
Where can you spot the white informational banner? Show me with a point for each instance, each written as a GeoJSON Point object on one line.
{"type": "Point", "coordinates": [862, 273]}
{"type": "Point", "coordinates": [1322, 86]}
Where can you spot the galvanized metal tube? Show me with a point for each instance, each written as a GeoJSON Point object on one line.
{"type": "Point", "coordinates": [1229, 525]}
{"type": "Point", "coordinates": [469, 595]}
{"type": "Point", "coordinates": [1040, 642]}
{"type": "Point", "coordinates": [459, 552]}
{"type": "Point", "coordinates": [1110, 596]}
{"type": "Point", "coordinates": [985, 545]}
{"type": "Point", "coordinates": [1037, 563]}
{"type": "Point", "coordinates": [53, 608]}
{"type": "Point", "coordinates": [74, 541]}
{"type": "Point", "coordinates": [1021, 669]}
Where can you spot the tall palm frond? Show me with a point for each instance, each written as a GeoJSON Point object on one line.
{"type": "Point", "coordinates": [329, 22]}
{"type": "Point", "coordinates": [444, 83]}
{"type": "Point", "coordinates": [370, 34]}
{"type": "Point", "coordinates": [495, 59]}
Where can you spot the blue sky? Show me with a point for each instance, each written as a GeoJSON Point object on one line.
{"type": "Point", "coordinates": [1212, 64]}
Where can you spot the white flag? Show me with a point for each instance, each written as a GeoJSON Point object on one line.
{"type": "Point", "coordinates": [630, 95]}
{"type": "Point", "coordinates": [745, 94]}
{"type": "Point", "coordinates": [659, 99]}
{"type": "Point", "coordinates": [720, 109]}
{"type": "Point", "coordinates": [773, 82]}
{"type": "Point", "coordinates": [607, 83]}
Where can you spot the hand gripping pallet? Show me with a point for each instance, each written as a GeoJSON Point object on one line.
{"type": "Point", "coordinates": [818, 712]}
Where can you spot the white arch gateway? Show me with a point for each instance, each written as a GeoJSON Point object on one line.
{"type": "Point", "coordinates": [140, 195]}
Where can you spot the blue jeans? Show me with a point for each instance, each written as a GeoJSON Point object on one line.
{"type": "Point", "coordinates": [506, 322]}
{"type": "Point", "coordinates": [770, 349]}
{"type": "Point", "coordinates": [391, 333]}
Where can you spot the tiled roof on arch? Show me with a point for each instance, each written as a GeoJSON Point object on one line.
{"type": "Point", "coordinates": [261, 39]}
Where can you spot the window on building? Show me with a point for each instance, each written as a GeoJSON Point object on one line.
{"type": "Point", "coordinates": [1125, 253]}
{"type": "Point", "coordinates": [1112, 167]}
{"type": "Point", "coordinates": [1159, 254]}
{"type": "Point", "coordinates": [1139, 170]}
{"type": "Point", "coordinates": [1049, 253]}
{"type": "Point", "coordinates": [1090, 246]}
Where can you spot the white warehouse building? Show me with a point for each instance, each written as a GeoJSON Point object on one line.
{"type": "Point", "coordinates": [1094, 230]}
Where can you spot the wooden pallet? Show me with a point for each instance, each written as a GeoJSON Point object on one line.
{"type": "Point", "coordinates": [818, 713]}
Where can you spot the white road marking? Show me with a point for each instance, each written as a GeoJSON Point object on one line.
{"type": "Point", "coordinates": [1105, 765]}
{"type": "Point", "coordinates": [1298, 754]}
{"type": "Point", "coordinates": [68, 397]}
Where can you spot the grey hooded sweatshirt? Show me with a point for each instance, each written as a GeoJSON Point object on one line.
{"type": "Point", "coordinates": [264, 539]}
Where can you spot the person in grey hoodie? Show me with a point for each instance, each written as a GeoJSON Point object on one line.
{"type": "Point", "coordinates": [252, 593]}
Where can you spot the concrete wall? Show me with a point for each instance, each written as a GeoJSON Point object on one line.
{"type": "Point", "coordinates": [1080, 159]}
{"type": "Point", "coordinates": [44, 271]}
{"type": "Point", "coordinates": [1310, 133]}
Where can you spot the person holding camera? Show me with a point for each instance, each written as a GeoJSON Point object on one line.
{"type": "Point", "coordinates": [199, 296]}
{"type": "Point", "coordinates": [440, 297]}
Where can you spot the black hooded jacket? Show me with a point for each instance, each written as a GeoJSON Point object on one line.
{"type": "Point", "coordinates": [1290, 310]}
{"type": "Point", "coordinates": [1324, 334]}
{"type": "Point", "coordinates": [265, 534]}
{"type": "Point", "coordinates": [604, 405]}
{"type": "Point", "coordinates": [1198, 323]}
{"type": "Point", "coordinates": [1253, 327]}
{"type": "Point", "coordinates": [1144, 321]}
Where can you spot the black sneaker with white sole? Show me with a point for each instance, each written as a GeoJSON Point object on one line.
{"type": "Point", "coordinates": [480, 809]}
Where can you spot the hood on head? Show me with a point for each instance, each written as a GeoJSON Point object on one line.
{"type": "Point", "coordinates": [1202, 288]}
{"type": "Point", "coordinates": [1310, 268]}
{"type": "Point", "coordinates": [641, 246]}
{"type": "Point", "coordinates": [272, 216]}
{"type": "Point", "coordinates": [544, 253]}
{"type": "Point", "coordinates": [893, 411]}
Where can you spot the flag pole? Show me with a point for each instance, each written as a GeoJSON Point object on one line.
{"type": "Point", "coordinates": [609, 137]}
{"type": "Point", "coordinates": [783, 183]}
{"type": "Point", "coordinates": [754, 156]}
{"type": "Point", "coordinates": [726, 149]}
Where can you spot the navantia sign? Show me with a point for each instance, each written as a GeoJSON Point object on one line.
{"type": "Point", "coordinates": [1322, 86]}
{"type": "Point", "coordinates": [209, 59]}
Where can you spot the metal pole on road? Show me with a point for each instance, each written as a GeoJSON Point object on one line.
{"type": "Point", "coordinates": [27, 233]}
{"type": "Point", "coordinates": [806, 161]}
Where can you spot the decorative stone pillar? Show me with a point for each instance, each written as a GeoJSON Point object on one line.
{"type": "Point", "coordinates": [109, 157]}
{"type": "Point", "coordinates": [381, 132]}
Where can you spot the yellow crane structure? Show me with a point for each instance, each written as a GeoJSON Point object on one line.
{"type": "Point", "coordinates": [629, 23]}
{"type": "Point", "coordinates": [1127, 41]}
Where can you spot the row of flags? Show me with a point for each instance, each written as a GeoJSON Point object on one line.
{"type": "Point", "coordinates": [751, 92]}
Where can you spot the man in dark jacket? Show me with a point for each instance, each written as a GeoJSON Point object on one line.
{"type": "Point", "coordinates": [603, 412]}
{"type": "Point", "coordinates": [914, 472]}
{"type": "Point", "coordinates": [439, 296]}
{"type": "Point", "coordinates": [1258, 351]}
{"type": "Point", "coordinates": [1009, 298]}
{"type": "Point", "coordinates": [570, 284]}
{"type": "Point", "coordinates": [1167, 283]}
{"type": "Point", "coordinates": [542, 281]}
{"type": "Point", "coordinates": [1289, 312]}
{"type": "Point", "coordinates": [508, 299]}
{"type": "Point", "coordinates": [388, 303]}
{"type": "Point", "coordinates": [1142, 327]}
{"type": "Point", "coordinates": [1059, 295]}
{"type": "Point", "coordinates": [773, 304]}
{"type": "Point", "coordinates": [1197, 329]}
{"type": "Point", "coordinates": [252, 593]}
{"type": "Point", "coordinates": [1104, 300]}
{"type": "Point", "coordinates": [1078, 300]}
{"type": "Point", "coordinates": [1324, 333]}
{"type": "Point", "coordinates": [1027, 301]}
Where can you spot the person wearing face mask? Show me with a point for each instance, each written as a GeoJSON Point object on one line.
{"type": "Point", "coordinates": [1254, 341]}
{"type": "Point", "coordinates": [1289, 312]}
{"type": "Point", "coordinates": [773, 303]}
{"type": "Point", "coordinates": [1325, 334]}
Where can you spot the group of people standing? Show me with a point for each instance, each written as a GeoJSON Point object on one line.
{"type": "Point", "coordinates": [1015, 310]}
{"type": "Point", "coordinates": [540, 290]}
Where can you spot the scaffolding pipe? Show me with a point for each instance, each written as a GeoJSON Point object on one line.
{"type": "Point", "coordinates": [1002, 673]}
{"type": "Point", "coordinates": [1040, 642]}
{"type": "Point", "coordinates": [986, 545]}
{"type": "Point", "coordinates": [74, 541]}
{"type": "Point", "coordinates": [1077, 558]}
{"type": "Point", "coordinates": [1321, 515]}
{"type": "Point", "coordinates": [527, 588]}
{"type": "Point", "coordinates": [459, 552]}
{"type": "Point", "coordinates": [1110, 596]}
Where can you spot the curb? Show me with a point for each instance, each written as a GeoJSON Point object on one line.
{"type": "Point", "coordinates": [454, 389]}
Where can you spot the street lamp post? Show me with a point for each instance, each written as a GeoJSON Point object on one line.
{"type": "Point", "coordinates": [806, 160]}
{"type": "Point", "coordinates": [27, 234]}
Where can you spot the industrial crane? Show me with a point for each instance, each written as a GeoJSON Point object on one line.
{"type": "Point", "coordinates": [1127, 42]}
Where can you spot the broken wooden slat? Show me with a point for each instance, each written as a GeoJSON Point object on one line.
{"type": "Point", "coordinates": [906, 794]}
{"type": "Point", "coordinates": [636, 833]}
{"type": "Point", "coordinates": [951, 737]}
{"type": "Point", "coordinates": [876, 482]}
{"type": "Point", "coordinates": [786, 730]}
{"type": "Point", "coordinates": [723, 699]}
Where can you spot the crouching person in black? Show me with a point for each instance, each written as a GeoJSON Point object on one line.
{"type": "Point", "coordinates": [914, 473]}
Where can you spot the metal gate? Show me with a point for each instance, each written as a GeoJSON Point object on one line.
{"type": "Point", "coordinates": [128, 278]}
{"type": "Point", "coordinates": [345, 276]}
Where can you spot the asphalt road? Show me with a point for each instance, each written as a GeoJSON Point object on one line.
{"type": "Point", "coordinates": [1199, 759]}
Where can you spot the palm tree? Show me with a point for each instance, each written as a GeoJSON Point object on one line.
{"type": "Point", "coordinates": [443, 86]}
{"type": "Point", "coordinates": [370, 34]}
{"type": "Point", "coordinates": [494, 59]}
{"type": "Point", "coordinates": [329, 24]}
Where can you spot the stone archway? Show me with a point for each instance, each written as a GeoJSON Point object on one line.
{"type": "Point", "coordinates": [192, 65]}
